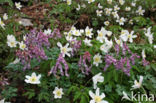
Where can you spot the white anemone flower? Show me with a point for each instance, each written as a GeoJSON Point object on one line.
{"type": "Point", "coordinates": [11, 41]}
{"type": "Point", "coordinates": [2, 23]}
{"type": "Point", "coordinates": [106, 46]}
{"type": "Point", "coordinates": [99, 12]}
{"type": "Point", "coordinates": [124, 35]}
{"type": "Point", "coordinates": [101, 34]}
{"type": "Point", "coordinates": [121, 21]}
{"type": "Point", "coordinates": [131, 36]}
{"type": "Point", "coordinates": [64, 50]}
{"type": "Point", "coordinates": [47, 32]}
{"type": "Point", "coordinates": [125, 96]}
{"type": "Point", "coordinates": [116, 8]}
{"type": "Point", "coordinates": [118, 41]}
{"type": "Point", "coordinates": [121, 2]}
{"type": "Point", "coordinates": [97, 59]}
{"type": "Point", "coordinates": [108, 11]}
{"type": "Point", "coordinates": [137, 84]}
{"type": "Point", "coordinates": [77, 32]}
{"type": "Point", "coordinates": [87, 42]}
{"type": "Point", "coordinates": [90, 1]}
{"type": "Point", "coordinates": [109, 33]}
{"type": "Point", "coordinates": [3, 101]}
{"type": "Point", "coordinates": [140, 11]}
{"type": "Point", "coordinates": [97, 98]}
{"type": "Point", "coordinates": [5, 16]}
{"type": "Point", "coordinates": [33, 79]}
{"type": "Point", "coordinates": [115, 14]}
{"type": "Point", "coordinates": [69, 2]}
{"type": "Point", "coordinates": [97, 78]}
{"type": "Point", "coordinates": [18, 5]}
{"type": "Point", "coordinates": [106, 23]}
{"type": "Point", "coordinates": [127, 8]}
{"type": "Point", "coordinates": [58, 92]}
{"type": "Point", "coordinates": [22, 46]}
{"type": "Point", "coordinates": [109, 1]}
{"type": "Point", "coordinates": [88, 32]}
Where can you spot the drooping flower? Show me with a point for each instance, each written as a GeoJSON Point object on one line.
{"type": "Point", "coordinates": [58, 92]}
{"type": "Point", "coordinates": [99, 6]}
{"type": "Point", "coordinates": [97, 59]}
{"type": "Point", "coordinates": [149, 35]}
{"type": "Point", "coordinates": [33, 79]}
{"type": "Point", "coordinates": [97, 78]}
{"type": "Point", "coordinates": [11, 41]}
{"type": "Point", "coordinates": [78, 8]}
{"type": "Point", "coordinates": [97, 98]}
{"type": "Point", "coordinates": [137, 84]}
{"type": "Point", "coordinates": [18, 5]}
{"type": "Point", "coordinates": [144, 61]}
{"type": "Point", "coordinates": [64, 49]}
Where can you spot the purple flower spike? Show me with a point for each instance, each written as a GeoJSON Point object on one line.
{"type": "Point", "coordinates": [83, 63]}
{"type": "Point", "coordinates": [58, 65]}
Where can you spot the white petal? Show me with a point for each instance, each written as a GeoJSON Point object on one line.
{"type": "Point", "coordinates": [98, 91]}
{"type": "Point", "coordinates": [141, 79]}
{"type": "Point", "coordinates": [91, 94]}
{"type": "Point", "coordinates": [59, 44]}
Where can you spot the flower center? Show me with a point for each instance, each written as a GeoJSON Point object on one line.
{"type": "Point", "coordinates": [33, 79]}
{"type": "Point", "coordinates": [64, 50]}
{"type": "Point", "coordinates": [97, 59]}
{"type": "Point", "coordinates": [23, 46]}
{"type": "Point", "coordinates": [97, 99]}
{"type": "Point", "coordinates": [100, 35]}
{"type": "Point", "coordinates": [88, 32]}
{"type": "Point", "coordinates": [58, 93]}
{"type": "Point", "coordinates": [12, 43]}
